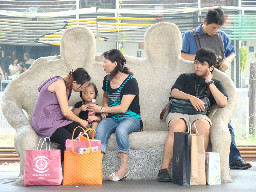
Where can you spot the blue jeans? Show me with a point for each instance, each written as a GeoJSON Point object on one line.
{"type": "Point", "coordinates": [234, 152]}
{"type": "Point", "coordinates": [122, 127]}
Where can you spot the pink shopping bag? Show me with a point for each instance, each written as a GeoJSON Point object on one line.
{"type": "Point", "coordinates": [43, 167]}
{"type": "Point", "coordinates": [82, 144]}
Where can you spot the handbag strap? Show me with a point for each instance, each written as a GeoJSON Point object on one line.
{"type": "Point", "coordinates": [82, 133]}
{"type": "Point", "coordinates": [85, 132]}
{"type": "Point", "coordinates": [198, 46]}
{"type": "Point", "coordinates": [47, 141]}
{"type": "Point", "coordinates": [208, 91]}
{"type": "Point", "coordinates": [190, 130]}
{"type": "Point", "coordinates": [166, 108]}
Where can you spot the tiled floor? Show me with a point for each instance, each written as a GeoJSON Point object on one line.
{"type": "Point", "coordinates": [243, 181]}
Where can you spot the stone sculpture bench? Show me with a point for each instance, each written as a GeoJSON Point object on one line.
{"type": "Point", "coordinates": [155, 75]}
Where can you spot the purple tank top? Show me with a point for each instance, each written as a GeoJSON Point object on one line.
{"type": "Point", "coordinates": [47, 115]}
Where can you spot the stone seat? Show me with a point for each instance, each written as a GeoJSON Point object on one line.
{"type": "Point", "coordinates": [156, 73]}
{"type": "Point", "coordinates": [145, 157]}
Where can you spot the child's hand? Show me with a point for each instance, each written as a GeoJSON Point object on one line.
{"type": "Point", "coordinates": [104, 115]}
{"type": "Point", "coordinates": [94, 108]}
{"type": "Point", "coordinates": [84, 107]}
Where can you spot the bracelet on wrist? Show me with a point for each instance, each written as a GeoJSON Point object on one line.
{"type": "Point", "coordinates": [210, 82]}
{"type": "Point", "coordinates": [101, 110]}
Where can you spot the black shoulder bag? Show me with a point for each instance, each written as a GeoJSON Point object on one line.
{"type": "Point", "coordinates": [185, 106]}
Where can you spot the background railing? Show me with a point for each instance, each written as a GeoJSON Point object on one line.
{"type": "Point", "coordinates": [34, 23]}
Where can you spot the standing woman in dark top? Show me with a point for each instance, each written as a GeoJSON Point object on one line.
{"type": "Point", "coordinates": [120, 110]}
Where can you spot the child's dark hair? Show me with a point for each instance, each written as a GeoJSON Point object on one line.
{"type": "Point", "coordinates": [95, 90]}
{"type": "Point", "coordinates": [116, 55]}
{"type": "Point", "coordinates": [208, 55]}
{"type": "Point", "coordinates": [215, 16]}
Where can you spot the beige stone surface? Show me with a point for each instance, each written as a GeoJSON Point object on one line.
{"type": "Point", "coordinates": [155, 75]}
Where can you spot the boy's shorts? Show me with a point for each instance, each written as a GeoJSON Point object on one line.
{"type": "Point", "coordinates": [189, 119]}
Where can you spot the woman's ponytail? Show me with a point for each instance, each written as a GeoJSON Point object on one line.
{"type": "Point", "coordinates": [69, 80]}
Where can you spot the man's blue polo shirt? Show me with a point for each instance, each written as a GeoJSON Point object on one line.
{"type": "Point", "coordinates": [189, 43]}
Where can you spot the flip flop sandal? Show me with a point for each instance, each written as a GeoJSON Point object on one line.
{"type": "Point", "coordinates": [115, 178]}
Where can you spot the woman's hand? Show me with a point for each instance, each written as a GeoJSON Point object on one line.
{"type": "Point", "coordinates": [84, 107]}
{"type": "Point", "coordinates": [94, 108]}
{"type": "Point", "coordinates": [84, 123]}
{"type": "Point", "coordinates": [92, 118]}
{"type": "Point", "coordinates": [197, 103]}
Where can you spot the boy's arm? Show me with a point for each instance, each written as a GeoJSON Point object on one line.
{"type": "Point", "coordinates": [186, 56]}
{"type": "Point", "coordinates": [197, 103]}
{"type": "Point", "coordinates": [186, 46]}
{"type": "Point", "coordinates": [179, 85]}
{"type": "Point", "coordinates": [230, 53]}
{"type": "Point", "coordinates": [225, 63]}
{"type": "Point", "coordinates": [176, 93]}
{"type": "Point", "coordinates": [220, 99]}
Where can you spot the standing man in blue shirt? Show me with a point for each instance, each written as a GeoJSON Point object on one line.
{"type": "Point", "coordinates": [208, 35]}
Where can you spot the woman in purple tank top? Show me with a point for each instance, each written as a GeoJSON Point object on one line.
{"type": "Point", "coordinates": [51, 115]}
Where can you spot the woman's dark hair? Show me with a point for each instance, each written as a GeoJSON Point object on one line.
{"type": "Point", "coordinates": [80, 75]}
{"type": "Point", "coordinates": [114, 55]}
{"type": "Point", "coordinates": [208, 55]}
{"type": "Point", "coordinates": [95, 90]}
{"type": "Point", "coordinates": [215, 16]}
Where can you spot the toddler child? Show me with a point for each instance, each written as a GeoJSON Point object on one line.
{"type": "Point", "coordinates": [88, 96]}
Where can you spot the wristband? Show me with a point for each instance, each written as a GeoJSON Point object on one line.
{"type": "Point", "coordinates": [101, 110]}
{"type": "Point", "coordinates": [210, 82]}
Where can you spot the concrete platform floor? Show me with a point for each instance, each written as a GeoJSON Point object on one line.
{"type": "Point", "coordinates": [243, 181]}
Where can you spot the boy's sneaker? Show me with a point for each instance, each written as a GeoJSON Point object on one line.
{"type": "Point", "coordinates": [163, 176]}
{"type": "Point", "coordinates": [240, 164]}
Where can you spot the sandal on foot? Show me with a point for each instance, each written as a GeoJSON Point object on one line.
{"type": "Point", "coordinates": [115, 178]}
